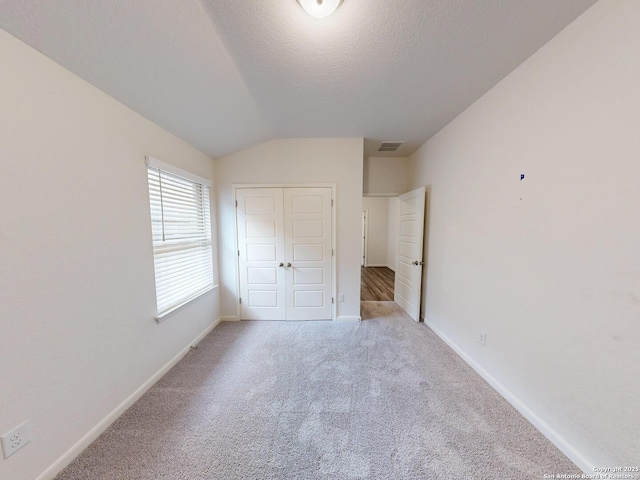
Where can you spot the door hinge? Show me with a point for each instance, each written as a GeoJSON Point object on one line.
{"type": "Point", "coordinates": [333, 300]}
{"type": "Point", "coordinates": [236, 203]}
{"type": "Point", "coordinates": [238, 252]}
{"type": "Point", "coordinates": [332, 202]}
{"type": "Point", "coordinates": [240, 300]}
{"type": "Point", "coordinates": [332, 252]}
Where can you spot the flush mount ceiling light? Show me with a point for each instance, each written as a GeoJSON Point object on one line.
{"type": "Point", "coordinates": [320, 8]}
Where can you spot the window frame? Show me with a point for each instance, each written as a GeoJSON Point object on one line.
{"type": "Point", "coordinates": [191, 296]}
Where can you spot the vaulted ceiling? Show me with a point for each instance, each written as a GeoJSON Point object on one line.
{"type": "Point", "coordinates": [227, 74]}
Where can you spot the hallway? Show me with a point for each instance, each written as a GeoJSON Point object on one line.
{"type": "Point", "coordinates": [376, 284]}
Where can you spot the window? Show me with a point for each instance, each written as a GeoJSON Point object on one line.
{"type": "Point", "coordinates": [181, 232]}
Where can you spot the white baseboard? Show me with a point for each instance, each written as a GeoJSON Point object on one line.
{"type": "Point", "coordinates": [95, 432]}
{"type": "Point", "coordinates": [229, 318]}
{"type": "Point", "coordinates": [553, 436]}
{"type": "Point", "coordinates": [345, 318]}
{"type": "Point", "coordinates": [375, 265]}
{"type": "Point", "coordinates": [393, 269]}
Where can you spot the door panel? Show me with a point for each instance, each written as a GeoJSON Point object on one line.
{"type": "Point", "coordinates": [260, 228]}
{"type": "Point", "coordinates": [308, 276]}
{"type": "Point", "coordinates": [262, 276]}
{"type": "Point", "coordinates": [408, 283]}
{"type": "Point", "coordinates": [260, 205]}
{"type": "Point", "coordinates": [262, 299]}
{"type": "Point", "coordinates": [309, 299]}
{"type": "Point", "coordinates": [308, 229]}
{"type": "Point", "coordinates": [261, 253]}
{"type": "Point", "coordinates": [307, 213]}
{"type": "Point", "coordinates": [306, 253]}
{"type": "Point", "coordinates": [261, 249]}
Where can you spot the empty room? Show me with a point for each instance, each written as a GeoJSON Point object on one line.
{"type": "Point", "coordinates": [319, 239]}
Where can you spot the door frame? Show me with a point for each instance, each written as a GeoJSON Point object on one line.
{"type": "Point", "coordinates": [365, 237]}
{"type": "Point", "coordinates": [334, 203]}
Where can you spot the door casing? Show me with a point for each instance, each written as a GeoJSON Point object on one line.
{"type": "Point", "coordinates": [365, 236]}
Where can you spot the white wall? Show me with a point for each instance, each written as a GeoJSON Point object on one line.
{"type": "Point", "coordinates": [549, 267]}
{"type": "Point", "coordinates": [385, 175]}
{"type": "Point", "coordinates": [77, 283]}
{"type": "Point", "coordinates": [328, 160]}
{"type": "Point", "coordinates": [377, 226]}
{"type": "Point", "coordinates": [393, 228]}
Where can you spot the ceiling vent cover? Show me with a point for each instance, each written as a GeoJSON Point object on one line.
{"type": "Point", "coordinates": [389, 146]}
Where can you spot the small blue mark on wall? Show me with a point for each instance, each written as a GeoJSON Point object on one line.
{"type": "Point", "coordinates": [521, 176]}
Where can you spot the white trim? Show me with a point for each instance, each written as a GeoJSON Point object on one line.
{"type": "Point", "coordinates": [553, 436]}
{"type": "Point", "coordinates": [364, 238]}
{"type": "Point", "coordinates": [161, 317]}
{"type": "Point", "coordinates": [381, 194]}
{"type": "Point", "coordinates": [346, 318]}
{"type": "Point", "coordinates": [393, 269]}
{"type": "Point", "coordinates": [236, 250]}
{"type": "Point", "coordinates": [334, 235]}
{"type": "Point", "coordinates": [95, 432]}
{"type": "Point", "coordinates": [376, 265]}
{"type": "Point", "coordinates": [334, 248]}
{"type": "Point", "coordinates": [167, 167]}
{"type": "Point", "coordinates": [229, 318]}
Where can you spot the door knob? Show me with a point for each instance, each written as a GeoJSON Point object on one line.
{"type": "Point", "coordinates": [281, 264]}
{"type": "Point", "coordinates": [288, 264]}
{"type": "Point", "coordinates": [415, 262]}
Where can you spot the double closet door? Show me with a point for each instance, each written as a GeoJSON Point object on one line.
{"type": "Point", "coordinates": [284, 253]}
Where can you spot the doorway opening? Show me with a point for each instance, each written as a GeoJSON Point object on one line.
{"type": "Point", "coordinates": [392, 250]}
{"type": "Point", "coordinates": [379, 236]}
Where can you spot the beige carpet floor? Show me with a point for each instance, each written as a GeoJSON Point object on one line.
{"type": "Point", "coordinates": [382, 399]}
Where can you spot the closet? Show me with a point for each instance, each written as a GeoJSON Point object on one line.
{"type": "Point", "coordinates": [284, 253]}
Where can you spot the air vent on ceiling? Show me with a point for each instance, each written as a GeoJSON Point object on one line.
{"type": "Point", "coordinates": [389, 146]}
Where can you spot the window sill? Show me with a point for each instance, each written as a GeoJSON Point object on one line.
{"type": "Point", "coordinates": [161, 317]}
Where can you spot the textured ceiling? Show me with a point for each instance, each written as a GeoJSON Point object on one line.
{"type": "Point", "coordinates": [227, 74]}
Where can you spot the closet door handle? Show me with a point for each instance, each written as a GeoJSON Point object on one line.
{"type": "Point", "coordinates": [288, 265]}
{"type": "Point", "coordinates": [281, 264]}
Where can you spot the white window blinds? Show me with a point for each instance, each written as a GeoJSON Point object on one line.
{"type": "Point", "coordinates": [181, 230]}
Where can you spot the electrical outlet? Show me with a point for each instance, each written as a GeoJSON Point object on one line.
{"type": "Point", "coordinates": [341, 297]}
{"type": "Point", "coordinates": [15, 439]}
{"type": "Point", "coordinates": [482, 338]}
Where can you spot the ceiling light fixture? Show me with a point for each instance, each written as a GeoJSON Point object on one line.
{"type": "Point", "coordinates": [320, 8]}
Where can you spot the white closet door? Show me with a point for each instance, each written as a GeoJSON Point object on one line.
{"type": "Point", "coordinates": [307, 240]}
{"type": "Point", "coordinates": [408, 283]}
{"type": "Point", "coordinates": [261, 250]}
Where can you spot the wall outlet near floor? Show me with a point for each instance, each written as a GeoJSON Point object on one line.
{"type": "Point", "coordinates": [482, 338]}
{"type": "Point", "coordinates": [341, 297]}
{"type": "Point", "coordinates": [15, 439]}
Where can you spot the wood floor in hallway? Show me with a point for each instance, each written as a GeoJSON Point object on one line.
{"type": "Point", "coordinates": [376, 284]}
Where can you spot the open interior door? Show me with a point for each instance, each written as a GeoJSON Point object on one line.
{"type": "Point", "coordinates": [408, 283]}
